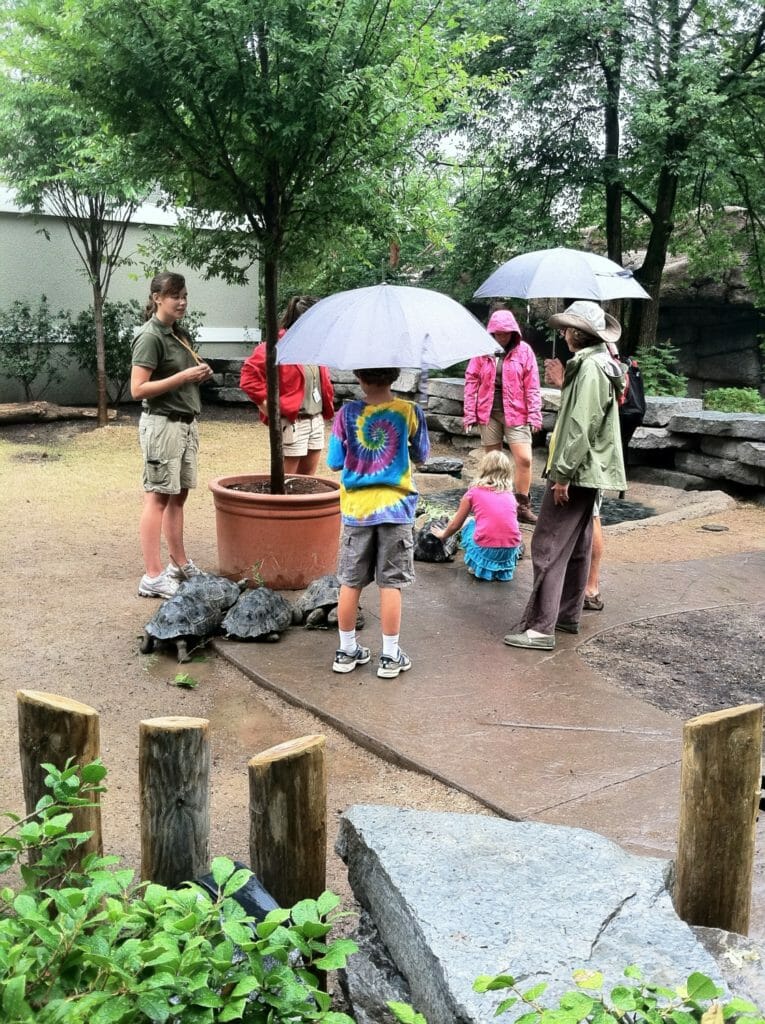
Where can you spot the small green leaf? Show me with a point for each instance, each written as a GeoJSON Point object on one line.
{"type": "Point", "coordinates": [13, 996]}
{"type": "Point", "coordinates": [699, 986]}
{"type": "Point", "coordinates": [185, 681]}
{"type": "Point", "coordinates": [326, 903]}
{"type": "Point", "coordinates": [491, 982]}
{"type": "Point", "coordinates": [222, 868]}
{"type": "Point", "coordinates": [237, 881]}
{"type": "Point", "coordinates": [405, 1014]}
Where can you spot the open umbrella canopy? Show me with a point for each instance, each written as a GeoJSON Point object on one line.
{"type": "Point", "coordinates": [385, 325]}
{"type": "Point", "coordinates": [561, 273]}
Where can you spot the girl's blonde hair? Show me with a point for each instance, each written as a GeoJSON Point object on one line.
{"type": "Point", "coordinates": [495, 471]}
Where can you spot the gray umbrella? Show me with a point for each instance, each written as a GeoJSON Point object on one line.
{"type": "Point", "coordinates": [561, 273]}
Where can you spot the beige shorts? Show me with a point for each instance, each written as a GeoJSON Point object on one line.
{"type": "Point", "coordinates": [383, 553]}
{"type": "Point", "coordinates": [170, 449]}
{"type": "Point", "coordinates": [495, 430]}
{"type": "Point", "coordinates": [305, 435]}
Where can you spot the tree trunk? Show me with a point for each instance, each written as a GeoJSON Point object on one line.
{"type": "Point", "coordinates": [98, 322]}
{"type": "Point", "coordinates": [614, 186]}
{"type": "Point", "coordinates": [719, 794]}
{"type": "Point", "coordinates": [51, 730]}
{"type": "Point", "coordinates": [174, 780]}
{"type": "Point", "coordinates": [644, 316]}
{"type": "Point", "coordinates": [270, 284]}
{"type": "Point", "coordinates": [288, 819]}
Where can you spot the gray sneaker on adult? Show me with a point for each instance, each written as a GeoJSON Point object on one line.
{"type": "Point", "coordinates": [158, 586]}
{"type": "Point", "coordinates": [347, 662]}
{"type": "Point", "coordinates": [391, 668]}
{"type": "Point", "coordinates": [537, 643]}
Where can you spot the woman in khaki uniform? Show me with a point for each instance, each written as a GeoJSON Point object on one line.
{"type": "Point", "coordinates": [166, 376]}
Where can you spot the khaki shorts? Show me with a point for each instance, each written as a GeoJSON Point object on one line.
{"type": "Point", "coordinates": [495, 430]}
{"type": "Point", "coordinates": [383, 553]}
{"type": "Point", "coordinates": [305, 435]}
{"type": "Point", "coordinates": [170, 449]}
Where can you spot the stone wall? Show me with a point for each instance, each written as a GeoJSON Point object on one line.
{"type": "Point", "coordinates": [705, 450]}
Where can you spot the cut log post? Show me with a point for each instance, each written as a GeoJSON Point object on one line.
{"type": "Point", "coordinates": [174, 780]}
{"type": "Point", "coordinates": [44, 412]}
{"type": "Point", "coordinates": [288, 819]}
{"type": "Point", "coordinates": [51, 730]}
{"type": "Point", "coordinates": [719, 793]}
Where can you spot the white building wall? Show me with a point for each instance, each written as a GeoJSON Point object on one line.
{"type": "Point", "coordinates": [37, 258]}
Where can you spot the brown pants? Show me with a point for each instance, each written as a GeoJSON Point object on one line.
{"type": "Point", "coordinates": [560, 553]}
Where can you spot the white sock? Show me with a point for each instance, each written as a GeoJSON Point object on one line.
{"type": "Point", "coordinates": [390, 646]}
{"type": "Point", "coordinates": [348, 643]}
{"type": "Point", "coordinates": [535, 632]}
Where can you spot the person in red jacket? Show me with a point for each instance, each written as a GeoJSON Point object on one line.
{"type": "Point", "coordinates": [502, 395]}
{"type": "Point", "coordinates": [306, 398]}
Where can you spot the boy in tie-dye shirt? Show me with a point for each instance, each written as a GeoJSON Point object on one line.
{"type": "Point", "coordinates": [375, 443]}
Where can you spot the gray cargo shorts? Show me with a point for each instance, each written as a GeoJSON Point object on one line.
{"type": "Point", "coordinates": [384, 553]}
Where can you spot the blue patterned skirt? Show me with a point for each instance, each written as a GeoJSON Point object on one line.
{"type": "Point", "coordinates": [487, 563]}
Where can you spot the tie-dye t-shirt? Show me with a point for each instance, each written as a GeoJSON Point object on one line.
{"type": "Point", "coordinates": [375, 447]}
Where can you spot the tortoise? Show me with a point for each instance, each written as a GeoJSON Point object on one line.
{"type": "Point", "coordinates": [259, 614]}
{"type": "Point", "coordinates": [429, 548]}
{"type": "Point", "coordinates": [316, 608]}
{"type": "Point", "coordinates": [192, 615]}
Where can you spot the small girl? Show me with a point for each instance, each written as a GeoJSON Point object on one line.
{"type": "Point", "coordinates": [492, 539]}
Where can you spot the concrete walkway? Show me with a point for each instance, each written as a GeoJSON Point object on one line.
{"type": "Point", "coordinates": [531, 734]}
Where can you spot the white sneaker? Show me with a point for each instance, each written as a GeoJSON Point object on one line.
{"type": "Point", "coordinates": [157, 586]}
{"type": "Point", "coordinates": [183, 572]}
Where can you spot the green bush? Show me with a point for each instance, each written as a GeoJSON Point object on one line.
{"type": "Point", "coordinates": [93, 948]}
{"type": "Point", "coordinates": [634, 1002]}
{"type": "Point", "coordinates": [734, 400]}
{"type": "Point", "coordinates": [120, 322]}
{"type": "Point", "coordinates": [658, 367]}
{"type": "Point", "coordinates": [27, 340]}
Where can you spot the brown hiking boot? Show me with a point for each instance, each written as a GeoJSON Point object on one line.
{"type": "Point", "coordinates": [525, 515]}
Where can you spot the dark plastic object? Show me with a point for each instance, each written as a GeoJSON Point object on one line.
{"type": "Point", "coordinates": [252, 896]}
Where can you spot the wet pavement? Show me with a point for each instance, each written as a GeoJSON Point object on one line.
{"type": "Point", "coordinates": [532, 734]}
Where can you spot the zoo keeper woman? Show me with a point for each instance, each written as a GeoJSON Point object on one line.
{"type": "Point", "coordinates": [166, 376]}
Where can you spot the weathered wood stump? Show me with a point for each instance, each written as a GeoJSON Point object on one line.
{"type": "Point", "coordinates": [53, 729]}
{"type": "Point", "coordinates": [44, 412]}
{"type": "Point", "coordinates": [288, 819]}
{"type": "Point", "coordinates": [719, 795]}
{"type": "Point", "coordinates": [174, 780]}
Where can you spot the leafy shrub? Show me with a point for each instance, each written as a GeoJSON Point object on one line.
{"type": "Point", "coordinates": [27, 340]}
{"type": "Point", "coordinates": [734, 400]}
{"type": "Point", "coordinates": [635, 1002]}
{"type": "Point", "coordinates": [93, 948]}
{"type": "Point", "coordinates": [120, 322]}
{"type": "Point", "coordinates": [658, 366]}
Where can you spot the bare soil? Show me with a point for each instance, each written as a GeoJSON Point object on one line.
{"type": "Point", "coordinates": [70, 498]}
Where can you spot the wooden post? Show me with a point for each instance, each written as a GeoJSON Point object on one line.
{"type": "Point", "coordinates": [288, 819]}
{"type": "Point", "coordinates": [174, 780]}
{"type": "Point", "coordinates": [51, 730]}
{"type": "Point", "coordinates": [719, 793]}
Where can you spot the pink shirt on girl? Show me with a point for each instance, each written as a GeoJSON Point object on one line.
{"type": "Point", "coordinates": [496, 518]}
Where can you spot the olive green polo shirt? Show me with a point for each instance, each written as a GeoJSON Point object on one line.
{"type": "Point", "coordinates": [157, 350]}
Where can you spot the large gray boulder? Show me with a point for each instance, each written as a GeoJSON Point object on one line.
{"type": "Point", "coordinates": [454, 896]}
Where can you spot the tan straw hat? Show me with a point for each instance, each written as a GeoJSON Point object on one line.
{"type": "Point", "coordinates": [588, 317]}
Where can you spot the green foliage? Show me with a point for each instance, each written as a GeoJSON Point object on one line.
{"type": "Point", "coordinates": [658, 368]}
{"type": "Point", "coordinates": [734, 400]}
{"type": "Point", "coordinates": [120, 321]}
{"type": "Point", "coordinates": [637, 1001]}
{"type": "Point", "coordinates": [27, 340]}
{"type": "Point", "coordinates": [97, 949]}
{"type": "Point", "coordinates": [185, 681]}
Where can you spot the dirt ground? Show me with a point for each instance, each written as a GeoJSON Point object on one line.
{"type": "Point", "coordinates": [70, 498]}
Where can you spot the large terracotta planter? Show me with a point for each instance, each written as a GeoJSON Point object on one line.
{"type": "Point", "coordinates": [285, 540]}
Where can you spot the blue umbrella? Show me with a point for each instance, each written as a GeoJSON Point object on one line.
{"type": "Point", "coordinates": [561, 273]}
{"type": "Point", "coordinates": [385, 325]}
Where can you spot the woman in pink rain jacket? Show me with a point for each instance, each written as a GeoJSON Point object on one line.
{"type": "Point", "coordinates": [502, 396]}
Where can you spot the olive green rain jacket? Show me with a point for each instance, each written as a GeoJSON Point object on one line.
{"type": "Point", "coordinates": [586, 449]}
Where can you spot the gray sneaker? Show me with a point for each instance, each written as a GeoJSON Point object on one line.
{"type": "Point", "coordinates": [347, 662]}
{"type": "Point", "coordinates": [183, 572]}
{"type": "Point", "coordinates": [389, 668]}
{"type": "Point", "coordinates": [158, 586]}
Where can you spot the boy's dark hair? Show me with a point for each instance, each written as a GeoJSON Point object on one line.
{"type": "Point", "coordinates": [380, 377]}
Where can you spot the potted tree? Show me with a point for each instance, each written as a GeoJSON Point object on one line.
{"type": "Point", "coordinates": [270, 122]}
